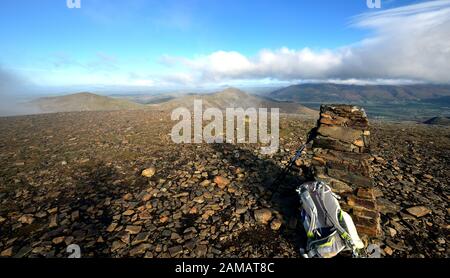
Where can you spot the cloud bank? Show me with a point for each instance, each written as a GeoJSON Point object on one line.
{"type": "Point", "coordinates": [13, 88]}
{"type": "Point", "coordinates": [409, 43]}
{"type": "Point", "coordinates": [9, 82]}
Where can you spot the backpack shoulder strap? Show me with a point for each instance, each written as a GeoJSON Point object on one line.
{"type": "Point", "coordinates": [340, 219]}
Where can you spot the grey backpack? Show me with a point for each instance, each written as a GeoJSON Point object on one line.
{"type": "Point", "coordinates": [329, 229]}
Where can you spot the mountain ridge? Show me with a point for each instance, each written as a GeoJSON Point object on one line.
{"type": "Point", "coordinates": [445, 121]}
{"type": "Point", "coordinates": [235, 98]}
{"type": "Point", "coordinates": [331, 92]}
{"type": "Point", "coordinates": [83, 101]}
{"type": "Point", "coordinates": [228, 98]}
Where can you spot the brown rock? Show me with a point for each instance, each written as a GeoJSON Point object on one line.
{"type": "Point", "coordinates": [205, 183]}
{"type": "Point", "coordinates": [140, 249]}
{"type": "Point", "coordinates": [163, 219]}
{"type": "Point", "coordinates": [362, 203]}
{"type": "Point", "coordinates": [175, 250]}
{"type": "Point", "coordinates": [318, 161]}
{"type": "Point", "coordinates": [350, 177]}
{"type": "Point", "coordinates": [208, 214]}
{"type": "Point", "coordinates": [26, 219]}
{"type": "Point", "coordinates": [146, 197]}
{"type": "Point", "coordinates": [371, 231]}
{"type": "Point", "coordinates": [359, 143]}
{"type": "Point", "coordinates": [75, 215]}
{"type": "Point", "coordinates": [132, 229]}
{"type": "Point", "coordinates": [128, 197]}
{"type": "Point", "coordinates": [52, 210]}
{"type": "Point", "coordinates": [241, 209]}
{"type": "Point", "coordinates": [392, 232]}
{"type": "Point", "coordinates": [116, 245]}
{"type": "Point", "coordinates": [7, 252]}
{"type": "Point", "coordinates": [149, 172]}
{"type": "Point", "coordinates": [58, 240]}
{"type": "Point", "coordinates": [124, 237]}
{"type": "Point", "coordinates": [388, 250]}
{"type": "Point", "coordinates": [332, 144]}
{"type": "Point", "coordinates": [193, 210]}
{"type": "Point", "coordinates": [418, 211]}
{"type": "Point", "coordinates": [128, 212]}
{"type": "Point", "coordinates": [336, 185]}
{"type": "Point", "coordinates": [365, 213]}
{"type": "Point", "coordinates": [377, 192]}
{"type": "Point", "coordinates": [276, 224]}
{"type": "Point", "coordinates": [199, 199]}
{"type": "Point", "coordinates": [366, 226]}
{"type": "Point", "coordinates": [111, 227]}
{"type": "Point", "coordinates": [221, 182]}
{"type": "Point", "coordinates": [345, 134]}
{"type": "Point", "coordinates": [53, 221]}
{"type": "Point", "coordinates": [379, 159]}
{"type": "Point", "coordinates": [328, 120]}
{"type": "Point", "coordinates": [263, 215]}
{"type": "Point", "coordinates": [348, 115]}
{"type": "Point", "coordinates": [366, 193]}
{"type": "Point", "coordinates": [201, 251]}
{"type": "Point", "coordinates": [142, 237]}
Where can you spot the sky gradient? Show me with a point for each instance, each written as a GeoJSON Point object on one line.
{"type": "Point", "coordinates": [191, 43]}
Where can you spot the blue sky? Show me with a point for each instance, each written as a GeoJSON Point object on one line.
{"type": "Point", "coordinates": [194, 42]}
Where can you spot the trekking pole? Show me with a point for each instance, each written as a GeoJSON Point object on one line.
{"type": "Point", "coordinates": [288, 167]}
{"type": "Point", "coordinates": [298, 154]}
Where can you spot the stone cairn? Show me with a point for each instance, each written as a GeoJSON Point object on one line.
{"type": "Point", "coordinates": [341, 158]}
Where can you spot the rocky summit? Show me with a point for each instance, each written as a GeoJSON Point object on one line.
{"type": "Point", "coordinates": [116, 185]}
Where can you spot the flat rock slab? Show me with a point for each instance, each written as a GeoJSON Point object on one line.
{"type": "Point", "coordinates": [418, 211]}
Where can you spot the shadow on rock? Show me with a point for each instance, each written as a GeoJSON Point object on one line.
{"type": "Point", "coordinates": [85, 212]}
{"type": "Point", "coordinates": [279, 194]}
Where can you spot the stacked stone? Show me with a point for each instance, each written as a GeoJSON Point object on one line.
{"type": "Point", "coordinates": [341, 159]}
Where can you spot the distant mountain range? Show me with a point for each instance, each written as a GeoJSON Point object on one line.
{"type": "Point", "coordinates": [229, 98]}
{"type": "Point", "coordinates": [235, 98]}
{"type": "Point", "coordinates": [409, 102]}
{"type": "Point", "coordinates": [358, 94]}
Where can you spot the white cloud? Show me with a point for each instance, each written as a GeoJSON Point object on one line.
{"type": "Point", "coordinates": [409, 43]}
{"type": "Point", "coordinates": [177, 78]}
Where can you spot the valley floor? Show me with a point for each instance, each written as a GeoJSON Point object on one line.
{"type": "Point", "coordinates": [75, 178]}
